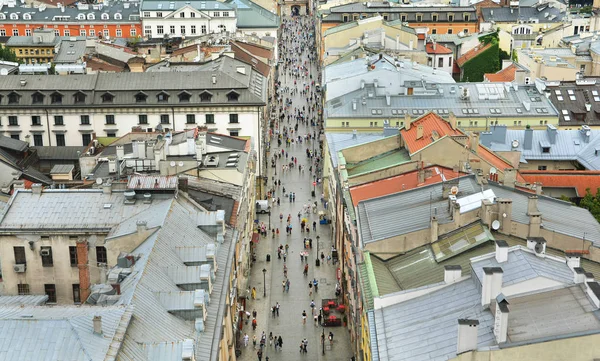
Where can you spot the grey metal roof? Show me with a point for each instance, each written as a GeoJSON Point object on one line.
{"type": "Point", "coordinates": [409, 211]}
{"type": "Point", "coordinates": [82, 209]}
{"type": "Point", "coordinates": [251, 86]}
{"type": "Point", "coordinates": [62, 168]}
{"type": "Point", "coordinates": [339, 141]}
{"type": "Point", "coordinates": [524, 265]}
{"type": "Point", "coordinates": [128, 11]}
{"type": "Point", "coordinates": [425, 328]}
{"type": "Point", "coordinates": [571, 98]}
{"type": "Point", "coordinates": [13, 144]}
{"type": "Point", "coordinates": [29, 300]}
{"type": "Point", "coordinates": [492, 100]}
{"type": "Point", "coordinates": [59, 153]}
{"type": "Point", "coordinates": [544, 14]}
{"type": "Point", "coordinates": [557, 216]}
{"type": "Point", "coordinates": [70, 51]}
{"type": "Point", "coordinates": [61, 332]}
{"type": "Point", "coordinates": [572, 145]}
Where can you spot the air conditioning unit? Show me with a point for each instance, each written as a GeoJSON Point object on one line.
{"type": "Point", "coordinates": [45, 252]}
{"type": "Point", "coordinates": [20, 268]}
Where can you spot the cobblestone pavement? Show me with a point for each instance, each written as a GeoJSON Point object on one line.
{"type": "Point", "coordinates": [289, 323]}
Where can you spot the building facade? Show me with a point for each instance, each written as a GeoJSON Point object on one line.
{"type": "Point", "coordinates": [120, 20]}
{"type": "Point", "coordinates": [226, 95]}
{"type": "Point", "coordinates": [162, 18]}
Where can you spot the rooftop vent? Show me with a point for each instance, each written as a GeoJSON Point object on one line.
{"type": "Point", "coordinates": [129, 197]}
{"type": "Point", "coordinates": [211, 161]}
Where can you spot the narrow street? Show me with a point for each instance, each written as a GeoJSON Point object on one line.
{"type": "Point", "coordinates": [297, 43]}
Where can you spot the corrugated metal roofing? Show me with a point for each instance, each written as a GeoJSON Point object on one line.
{"type": "Point", "coordinates": [406, 212]}
{"type": "Point", "coordinates": [425, 328]}
{"type": "Point", "coordinates": [523, 265]}
{"type": "Point", "coordinates": [62, 169]}
{"type": "Point", "coordinates": [23, 300]}
{"type": "Point", "coordinates": [338, 141]}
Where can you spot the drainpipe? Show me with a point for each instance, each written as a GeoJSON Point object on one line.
{"type": "Point", "coordinates": [48, 127]}
{"type": "Point", "coordinates": [173, 112]}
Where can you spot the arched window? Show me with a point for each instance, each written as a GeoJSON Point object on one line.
{"type": "Point", "coordinates": [91, 16]}
{"type": "Point", "coordinates": [14, 16]}
{"type": "Point", "coordinates": [104, 16]}
{"type": "Point", "coordinates": [26, 16]}
{"type": "Point", "coordinates": [80, 16]}
{"type": "Point", "coordinates": [118, 16]}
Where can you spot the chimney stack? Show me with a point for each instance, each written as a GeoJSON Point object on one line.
{"type": "Point", "coordinates": [97, 325]}
{"type": "Point", "coordinates": [452, 120]}
{"type": "Point", "coordinates": [84, 270]}
{"type": "Point", "coordinates": [528, 139]}
{"type": "Point", "coordinates": [452, 273]}
{"type": "Point", "coordinates": [532, 205]}
{"type": "Point", "coordinates": [107, 189]}
{"type": "Point", "coordinates": [36, 188]}
{"type": "Point", "coordinates": [467, 336]}
{"type": "Point", "coordinates": [434, 229]}
{"type": "Point", "coordinates": [475, 142]}
{"type": "Point", "coordinates": [120, 152]}
{"type": "Point", "coordinates": [510, 177]}
{"type": "Point", "coordinates": [407, 121]}
{"type": "Point", "coordinates": [420, 131]}
{"type": "Point", "coordinates": [456, 214]}
{"type": "Point", "coordinates": [501, 320]}
{"type": "Point", "coordinates": [535, 217]}
{"type": "Point", "coordinates": [505, 214]}
{"type": "Point", "coordinates": [578, 275]}
{"type": "Point", "coordinates": [501, 251]}
{"type": "Point", "coordinates": [491, 285]}
{"type": "Point", "coordinates": [573, 260]}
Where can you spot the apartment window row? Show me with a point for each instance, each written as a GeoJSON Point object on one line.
{"type": "Point", "coordinates": [163, 97]}
{"type": "Point", "coordinates": [50, 291]}
{"type": "Point", "coordinates": [451, 17]}
{"type": "Point", "coordinates": [47, 257]}
{"type": "Point", "coordinates": [39, 98]}
{"type": "Point", "coordinates": [67, 32]}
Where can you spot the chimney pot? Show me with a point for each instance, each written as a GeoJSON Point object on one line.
{"type": "Point", "coordinates": [97, 325]}
{"type": "Point", "coordinates": [573, 260]}
{"type": "Point", "coordinates": [467, 335]}
{"type": "Point", "coordinates": [452, 273]}
{"type": "Point", "coordinates": [491, 285]}
{"type": "Point", "coordinates": [578, 275]}
{"type": "Point", "coordinates": [501, 319]}
{"type": "Point", "coordinates": [107, 189]}
{"type": "Point", "coordinates": [420, 131]}
{"type": "Point", "coordinates": [36, 188]}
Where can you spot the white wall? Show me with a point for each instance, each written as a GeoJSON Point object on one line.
{"type": "Point", "coordinates": [535, 284]}
{"type": "Point", "coordinates": [169, 19]}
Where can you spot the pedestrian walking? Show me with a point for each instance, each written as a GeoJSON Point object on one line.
{"type": "Point", "coordinates": [246, 339]}
{"type": "Point", "coordinates": [331, 338]}
{"type": "Point", "coordinates": [254, 341]}
{"type": "Point", "coordinates": [310, 286]}
{"type": "Point", "coordinates": [253, 293]}
{"type": "Point", "coordinates": [277, 308]}
{"type": "Point", "coordinates": [304, 317]}
{"type": "Point", "coordinates": [260, 355]}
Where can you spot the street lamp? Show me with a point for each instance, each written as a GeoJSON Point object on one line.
{"type": "Point", "coordinates": [318, 262]}
{"type": "Point", "coordinates": [264, 282]}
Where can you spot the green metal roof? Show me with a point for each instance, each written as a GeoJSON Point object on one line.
{"type": "Point", "coordinates": [385, 160]}
{"type": "Point", "coordinates": [342, 27]}
{"type": "Point", "coordinates": [251, 15]}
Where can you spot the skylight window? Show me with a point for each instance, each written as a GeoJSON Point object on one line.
{"type": "Point", "coordinates": [572, 97]}
{"type": "Point", "coordinates": [560, 98]}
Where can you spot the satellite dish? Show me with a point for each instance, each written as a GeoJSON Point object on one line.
{"type": "Point", "coordinates": [172, 163]}
{"type": "Point", "coordinates": [515, 143]}
{"type": "Point", "coordinates": [493, 170]}
{"type": "Point", "coordinates": [181, 164]}
{"type": "Point", "coordinates": [3, 71]}
{"type": "Point", "coordinates": [454, 190]}
{"type": "Point", "coordinates": [98, 181]}
{"type": "Point", "coordinates": [503, 215]}
{"type": "Point", "coordinates": [496, 225]}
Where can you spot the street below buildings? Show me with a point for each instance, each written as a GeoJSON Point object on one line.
{"type": "Point", "coordinates": [294, 167]}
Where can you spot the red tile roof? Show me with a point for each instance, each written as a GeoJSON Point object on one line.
{"type": "Point", "coordinates": [400, 183]}
{"type": "Point", "coordinates": [437, 49]}
{"type": "Point", "coordinates": [472, 54]}
{"type": "Point", "coordinates": [504, 75]}
{"type": "Point", "coordinates": [432, 124]}
{"type": "Point", "coordinates": [578, 179]}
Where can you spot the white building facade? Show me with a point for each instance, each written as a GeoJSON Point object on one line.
{"type": "Point", "coordinates": [163, 18]}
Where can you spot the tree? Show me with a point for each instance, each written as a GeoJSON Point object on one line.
{"type": "Point", "coordinates": [7, 54]}
{"type": "Point", "coordinates": [591, 203]}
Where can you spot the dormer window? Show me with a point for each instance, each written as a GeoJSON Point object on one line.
{"type": "Point", "coordinates": [2, 16]}
{"type": "Point", "coordinates": [27, 16]}
{"type": "Point", "coordinates": [56, 98]}
{"type": "Point", "coordinates": [104, 16]}
{"type": "Point", "coordinates": [14, 16]}
{"type": "Point", "coordinates": [233, 96]}
{"type": "Point", "coordinates": [37, 98]}
{"type": "Point", "coordinates": [162, 97]}
{"type": "Point", "coordinates": [141, 97]}
{"type": "Point", "coordinates": [118, 16]}
{"type": "Point", "coordinates": [13, 98]}
{"type": "Point", "coordinates": [107, 97]}
{"type": "Point", "coordinates": [80, 16]}
{"type": "Point", "coordinates": [205, 96]}
{"type": "Point", "coordinates": [79, 98]}
{"type": "Point", "coordinates": [184, 97]}
{"type": "Point", "coordinates": [91, 16]}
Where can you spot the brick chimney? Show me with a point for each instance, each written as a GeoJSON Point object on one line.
{"type": "Point", "coordinates": [535, 217]}
{"type": "Point", "coordinates": [84, 269]}
{"type": "Point", "coordinates": [505, 214]}
{"type": "Point", "coordinates": [510, 177]}
{"type": "Point", "coordinates": [474, 142]}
